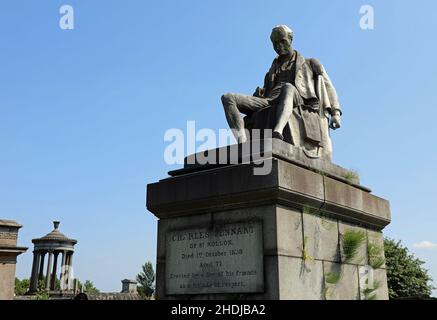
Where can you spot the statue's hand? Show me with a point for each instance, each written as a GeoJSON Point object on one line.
{"type": "Point", "coordinates": [335, 122]}
{"type": "Point", "coordinates": [259, 92]}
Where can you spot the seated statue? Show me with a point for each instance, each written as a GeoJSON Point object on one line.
{"type": "Point", "coordinates": [298, 101]}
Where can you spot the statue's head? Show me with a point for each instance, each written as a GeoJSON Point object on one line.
{"type": "Point", "coordinates": [282, 37]}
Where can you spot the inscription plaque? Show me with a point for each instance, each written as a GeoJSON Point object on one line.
{"type": "Point", "coordinates": [226, 258]}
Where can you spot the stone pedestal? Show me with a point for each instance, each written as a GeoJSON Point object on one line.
{"type": "Point", "coordinates": [9, 251]}
{"type": "Point", "coordinates": [305, 230]}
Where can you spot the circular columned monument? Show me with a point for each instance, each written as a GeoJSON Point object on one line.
{"type": "Point", "coordinates": [57, 247]}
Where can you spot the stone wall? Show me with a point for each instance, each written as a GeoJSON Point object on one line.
{"type": "Point", "coordinates": [303, 255]}
{"type": "Point", "coordinates": [322, 264]}
{"type": "Point", "coordinates": [8, 235]}
{"type": "Point", "coordinates": [7, 280]}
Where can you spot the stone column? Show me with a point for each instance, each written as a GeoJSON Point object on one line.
{"type": "Point", "coordinates": [41, 266]}
{"type": "Point", "coordinates": [55, 265]}
{"type": "Point", "coordinates": [66, 268]}
{"type": "Point", "coordinates": [62, 279]}
{"type": "Point", "coordinates": [70, 270]}
{"type": "Point", "coordinates": [34, 274]}
{"type": "Point", "coordinates": [49, 267]}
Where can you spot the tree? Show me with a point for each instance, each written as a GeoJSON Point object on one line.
{"type": "Point", "coordinates": [405, 275]}
{"type": "Point", "coordinates": [41, 293]}
{"type": "Point", "coordinates": [89, 287]}
{"type": "Point", "coordinates": [21, 286]}
{"type": "Point", "coordinates": [146, 281]}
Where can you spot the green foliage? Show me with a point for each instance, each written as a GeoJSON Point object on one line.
{"type": "Point", "coordinates": [351, 176]}
{"type": "Point", "coordinates": [333, 277]}
{"type": "Point", "coordinates": [57, 284]}
{"type": "Point", "coordinates": [41, 293]}
{"type": "Point", "coordinates": [43, 280]}
{"type": "Point", "coordinates": [352, 240]}
{"type": "Point", "coordinates": [146, 281]}
{"type": "Point", "coordinates": [21, 286]}
{"type": "Point", "coordinates": [369, 293]}
{"type": "Point", "coordinates": [375, 253]}
{"type": "Point", "coordinates": [405, 273]}
{"type": "Point", "coordinates": [322, 173]}
{"type": "Point", "coordinates": [89, 287]}
{"type": "Point", "coordinates": [310, 210]}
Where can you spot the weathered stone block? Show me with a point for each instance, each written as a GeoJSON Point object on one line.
{"type": "Point", "coordinates": [271, 283]}
{"type": "Point", "coordinates": [373, 283]}
{"type": "Point", "coordinates": [304, 186]}
{"type": "Point", "coordinates": [8, 235]}
{"type": "Point", "coordinates": [299, 279]}
{"type": "Point", "coordinates": [341, 281]}
{"type": "Point", "coordinates": [289, 232]}
{"type": "Point", "coordinates": [267, 214]}
{"type": "Point", "coordinates": [321, 237]}
{"type": "Point", "coordinates": [380, 276]}
{"type": "Point", "coordinates": [7, 280]}
{"type": "Point", "coordinates": [160, 279]}
{"type": "Point", "coordinates": [355, 204]}
{"type": "Point", "coordinates": [166, 225]}
{"type": "Point", "coordinates": [216, 190]}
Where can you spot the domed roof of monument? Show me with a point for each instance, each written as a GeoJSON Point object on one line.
{"type": "Point", "coordinates": [54, 235]}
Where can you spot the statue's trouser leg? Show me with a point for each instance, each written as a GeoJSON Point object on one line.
{"type": "Point", "coordinates": [288, 99]}
{"type": "Point", "coordinates": [234, 104]}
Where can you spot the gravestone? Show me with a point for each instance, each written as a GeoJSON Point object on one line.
{"type": "Point", "coordinates": [305, 230]}
{"type": "Point", "coordinates": [272, 218]}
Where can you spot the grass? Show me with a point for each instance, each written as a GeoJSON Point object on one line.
{"type": "Point", "coordinates": [322, 173]}
{"type": "Point", "coordinates": [369, 293]}
{"type": "Point", "coordinates": [333, 277]}
{"type": "Point", "coordinates": [351, 176]}
{"type": "Point", "coordinates": [375, 253]}
{"type": "Point", "coordinates": [352, 240]}
{"type": "Point", "coordinates": [310, 210]}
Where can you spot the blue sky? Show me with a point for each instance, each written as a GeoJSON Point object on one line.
{"type": "Point", "coordinates": [84, 111]}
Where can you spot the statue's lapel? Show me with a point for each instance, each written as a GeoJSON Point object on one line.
{"type": "Point", "coordinates": [300, 61]}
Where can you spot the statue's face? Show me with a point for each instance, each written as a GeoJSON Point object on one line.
{"type": "Point", "coordinates": [282, 46]}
